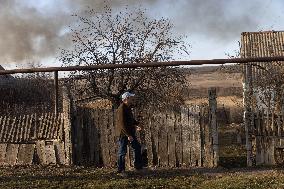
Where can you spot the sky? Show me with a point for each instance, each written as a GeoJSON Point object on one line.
{"type": "Point", "coordinates": [35, 30]}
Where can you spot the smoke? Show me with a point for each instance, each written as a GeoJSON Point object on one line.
{"type": "Point", "coordinates": [35, 32]}
{"type": "Point", "coordinates": [221, 20]}
{"type": "Point", "coordinates": [27, 33]}
{"type": "Point", "coordinates": [37, 29]}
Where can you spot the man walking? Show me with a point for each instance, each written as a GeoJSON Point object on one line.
{"type": "Point", "coordinates": [126, 127]}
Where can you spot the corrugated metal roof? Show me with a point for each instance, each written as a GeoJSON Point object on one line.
{"type": "Point", "coordinates": [259, 44]}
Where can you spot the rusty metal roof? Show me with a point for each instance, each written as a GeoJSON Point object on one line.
{"type": "Point", "coordinates": [260, 44]}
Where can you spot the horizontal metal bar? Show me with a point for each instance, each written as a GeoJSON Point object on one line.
{"type": "Point", "coordinates": [142, 65]}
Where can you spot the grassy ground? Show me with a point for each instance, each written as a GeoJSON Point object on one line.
{"type": "Point", "coordinates": [79, 177]}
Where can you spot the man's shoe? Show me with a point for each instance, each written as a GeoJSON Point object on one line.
{"type": "Point", "coordinates": [140, 169]}
{"type": "Point", "coordinates": [122, 173]}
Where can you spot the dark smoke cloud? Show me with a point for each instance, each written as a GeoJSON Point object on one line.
{"type": "Point", "coordinates": [218, 19]}
{"type": "Point", "coordinates": [27, 33]}
{"type": "Point", "coordinates": [30, 33]}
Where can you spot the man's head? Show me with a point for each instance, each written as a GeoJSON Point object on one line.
{"type": "Point", "coordinates": [127, 98]}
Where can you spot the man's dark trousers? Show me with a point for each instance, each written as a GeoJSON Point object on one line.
{"type": "Point", "coordinates": [122, 150]}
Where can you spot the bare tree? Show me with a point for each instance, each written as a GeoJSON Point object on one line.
{"type": "Point", "coordinates": [125, 38]}
{"type": "Point", "coordinates": [27, 92]}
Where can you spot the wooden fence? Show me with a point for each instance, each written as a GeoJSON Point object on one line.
{"type": "Point", "coordinates": [172, 138]}
{"type": "Point", "coordinates": [34, 139]}
{"type": "Point", "coordinates": [268, 133]}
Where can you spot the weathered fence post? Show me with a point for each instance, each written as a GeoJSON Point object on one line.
{"type": "Point", "coordinates": [67, 126]}
{"type": "Point", "coordinates": [248, 93]}
{"type": "Point", "coordinates": [213, 125]}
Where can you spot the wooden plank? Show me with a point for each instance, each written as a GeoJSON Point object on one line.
{"type": "Point", "coordinates": [54, 126]}
{"type": "Point", "coordinates": [186, 138]}
{"type": "Point", "coordinates": [76, 125]}
{"type": "Point", "coordinates": [178, 139]}
{"type": "Point", "coordinates": [262, 125]}
{"type": "Point", "coordinates": [41, 126]}
{"type": "Point", "coordinates": [282, 125]}
{"type": "Point", "coordinates": [60, 123]}
{"type": "Point", "coordinates": [22, 129]}
{"type": "Point", "coordinates": [101, 136]}
{"type": "Point", "coordinates": [40, 151]}
{"type": "Point", "coordinates": [155, 138]}
{"type": "Point", "coordinates": [67, 137]}
{"type": "Point", "coordinates": [15, 132]}
{"type": "Point", "coordinates": [29, 123]}
{"type": "Point", "coordinates": [59, 153]}
{"type": "Point", "coordinates": [56, 92]}
{"type": "Point", "coordinates": [85, 133]}
{"type": "Point", "coordinates": [91, 138]}
{"type": "Point", "coordinates": [202, 122]}
{"type": "Point", "coordinates": [259, 151]}
{"type": "Point", "coordinates": [279, 125]}
{"type": "Point", "coordinates": [48, 126]}
{"type": "Point", "coordinates": [12, 130]}
{"type": "Point", "coordinates": [149, 141]}
{"type": "Point", "coordinates": [104, 137]}
{"type": "Point", "coordinates": [156, 135]}
{"type": "Point", "coordinates": [78, 139]}
{"type": "Point", "coordinates": [112, 139]}
{"type": "Point", "coordinates": [191, 136]}
{"type": "Point", "coordinates": [111, 143]}
{"type": "Point", "coordinates": [50, 153]}
{"type": "Point", "coordinates": [6, 130]}
{"type": "Point", "coordinates": [3, 128]}
{"type": "Point", "coordinates": [19, 129]}
{"type": "Point", "coordinates": [96, 138]}
{"type": "Point", "coordinates": [11, 154]}
{"type": "Point", "coordinates": [3, 149]}
{"type": "Point", "coordinates": [34, 124]}
{"type": "Point", "coordinates": [171, 140]}
{"type": "Point", "coordinates": [26, 154]}
{"type": "Point", "coordinates": [195, 148]}
{"type": "Point", "coordinates": [25, 127]}
{"type": "Point", "coordinates": [197, 142]}
{"type": "Point", "coordinates": [163, 145]}
{"type": "Point", "coordinates": [45, 125]}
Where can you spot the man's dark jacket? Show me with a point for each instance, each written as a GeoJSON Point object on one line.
{"type": "Point", "coordinates": [125, 122]}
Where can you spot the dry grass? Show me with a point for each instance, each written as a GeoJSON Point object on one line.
{"type": "Point", "coordinates": [228, 101]}
{"type": "Point", "coordinates": [215, 79]}
{"type": "Point", "coordinates": [80, 177]}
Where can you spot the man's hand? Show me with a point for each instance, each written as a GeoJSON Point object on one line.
{"type": "Point", "coordinates": [130, 138]}
{"type": "Point", "coordinates": [138, 128]}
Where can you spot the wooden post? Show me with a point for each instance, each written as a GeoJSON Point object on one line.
{"type": "Point", "coordinates": [56, 108]}
{"type": "Point", "coordinates": [213, 125]}
{"type": "Point", "coordinates": [67, 127]}
{"type": "Point", "coordinates": [248, 94]}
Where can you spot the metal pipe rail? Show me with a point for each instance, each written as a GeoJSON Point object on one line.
{"type": "Point", "coordinates": [142, 65]}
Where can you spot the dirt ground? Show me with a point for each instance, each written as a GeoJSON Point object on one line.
{"type": "Point", "coordinates": [80, 177]}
